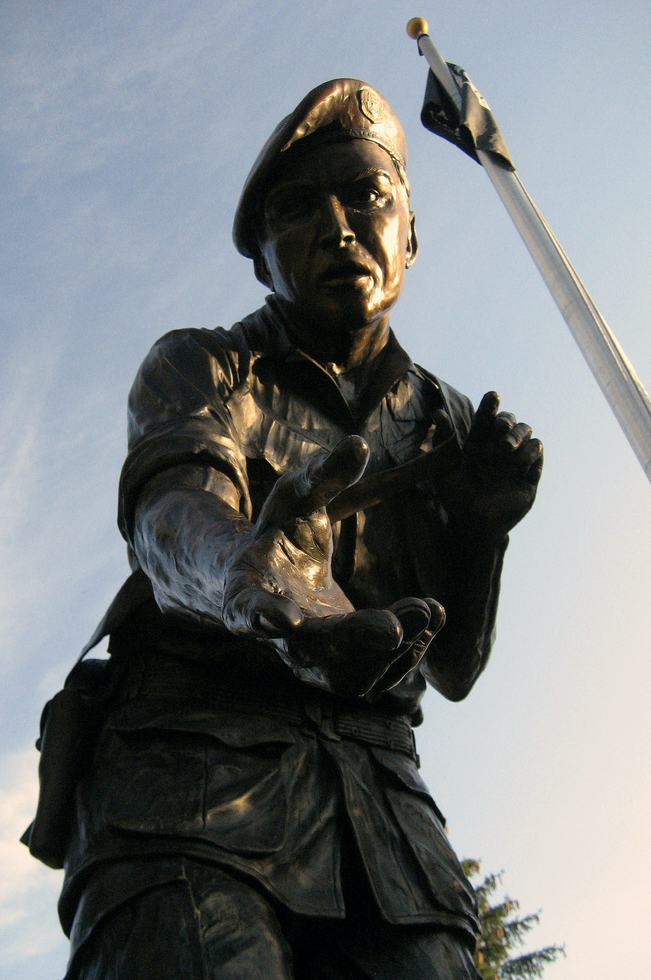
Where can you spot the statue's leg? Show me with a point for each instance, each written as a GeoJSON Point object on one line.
{"type": "Point", "coordinates": [392, 953]}
{"type": "Point", "coordinates": [364, 946]}
{"type": "Point", "coordinates": [207, 925]}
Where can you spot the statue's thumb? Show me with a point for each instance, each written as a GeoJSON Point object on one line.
{"type": "Point", "coordinates": [333, 473]}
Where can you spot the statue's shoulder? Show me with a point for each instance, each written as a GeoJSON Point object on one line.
{"type": "Point", "coordinates": [229, 351]}
{"type": "Point", "coordinates": [216, 341]}
{"type": "Point", "coordinates": [208, 357]}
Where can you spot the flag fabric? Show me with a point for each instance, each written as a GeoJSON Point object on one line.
{"type": "Point", "coordinates": [472, 128]}
{"type": "Point", "coordinates": [455, 110]}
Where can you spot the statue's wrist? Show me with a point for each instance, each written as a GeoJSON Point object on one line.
{"type": "Point", "coordinates": [476, 536]}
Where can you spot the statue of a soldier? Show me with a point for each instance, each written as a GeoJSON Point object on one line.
{"type": "Point", "coordinates": [308, 507]}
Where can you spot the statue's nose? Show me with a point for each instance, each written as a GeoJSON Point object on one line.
{"type": "Point", "coordinates": [334, 222]}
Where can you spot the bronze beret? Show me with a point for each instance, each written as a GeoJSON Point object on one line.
{"type": "Point", "coordinates": [343, 108]}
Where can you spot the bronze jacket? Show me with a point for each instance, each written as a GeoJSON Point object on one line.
{"type": "Point", "coordinates": [199, 756]}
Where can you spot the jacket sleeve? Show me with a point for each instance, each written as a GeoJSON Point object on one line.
{"type": "Point", "coordinates": [470, 589]}
{"type": "Point", "coordinates": [178, 414]}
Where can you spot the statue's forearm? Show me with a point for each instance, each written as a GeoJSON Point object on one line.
{"type": "Point", "coordinates": [460, 652]}
{"type": "Point", "coordinates": [187, 530]}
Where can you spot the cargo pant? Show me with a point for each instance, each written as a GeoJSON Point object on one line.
{"type": "Point", "coordinates": [209, 924]}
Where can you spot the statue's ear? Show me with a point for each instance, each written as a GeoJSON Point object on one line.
{"type": "Point", "coordinates": [261, 269]}
{"type": "Point", "coordinates": [412, 241]}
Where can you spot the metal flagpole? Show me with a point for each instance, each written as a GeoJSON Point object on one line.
{"type": "Point", "coordinates": [606, 359]}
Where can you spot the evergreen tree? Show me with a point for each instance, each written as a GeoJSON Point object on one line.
{"type": "Point", "coordinates": [502, 931]}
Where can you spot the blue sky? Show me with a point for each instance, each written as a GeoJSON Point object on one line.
{"type": "Point", "coordinates": [126, 131]}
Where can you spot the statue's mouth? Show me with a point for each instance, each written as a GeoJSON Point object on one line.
{"type": "Point", "coordinates": [344, 273]}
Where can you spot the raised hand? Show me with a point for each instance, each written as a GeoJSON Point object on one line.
{"type": "Point", "coordinates": [491, 481]}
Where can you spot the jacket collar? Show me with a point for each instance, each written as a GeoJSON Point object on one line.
{"type": "Point", "coordinates": [271, 335]}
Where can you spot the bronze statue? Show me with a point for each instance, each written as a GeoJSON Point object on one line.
{"type": "Point", "coordinates": [305, 507]}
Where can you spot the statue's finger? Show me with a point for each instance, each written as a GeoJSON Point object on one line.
{"type": "Point", "coordinates": [327, 475]}
{"type": "Point", "coordinates": [362, 634]}
{"type": "Point", "coordinates": [436, 616]}
{"type": "Point", "coordinates": [416, 638]}
{"type": "Point", "coordinates": [487, 408]}
{"type": "Point", "coordinates": [518, 435]}
{"type": "Point", "coordinates": [301, 493]}
{"type": "Point", "coordinates": [349, 653]}
{"type": "Point", "coordinates": [483, 423]}
{"type": "Point", "coordinates": [504, 421]}
{"type": "Point", "coordinates": [414, 616]}
{"type": "Point", "coordinates": [531, 456]}
{"type": "Point", "coordinates": [265, 614]}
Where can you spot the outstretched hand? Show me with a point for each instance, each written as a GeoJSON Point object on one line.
{"type": "Point", "coordinates": [279, 587]}
{"type": "Point", "coordinates": [491, 481]}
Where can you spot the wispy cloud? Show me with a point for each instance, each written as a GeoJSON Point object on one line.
{"type": "Point", "coordinates": [56, 506]}
{"type": "Point", "coordinates": [21, 410]}
{"type": "Point", "coordinates": [76, 87]}
{"type": "Point", "coordinates": [28, 890]}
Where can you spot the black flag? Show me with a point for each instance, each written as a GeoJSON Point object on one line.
{"type": "Point", "coordinates": [471, 129]}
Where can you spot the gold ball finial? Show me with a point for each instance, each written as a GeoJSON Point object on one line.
{"type": "Point", "coordinates": [416, 27]}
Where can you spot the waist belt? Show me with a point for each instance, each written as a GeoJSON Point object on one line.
{"type": "Point", "coordinates": [307, 708]}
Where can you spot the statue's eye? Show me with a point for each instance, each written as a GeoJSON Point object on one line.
{"type": "Point", "coordinates": [369, 193]}
{"type": "Point", "coordinates": [290, 204]}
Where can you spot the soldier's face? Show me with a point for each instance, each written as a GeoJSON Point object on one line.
{"type": "Point", "coordinates": [338, 235]}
